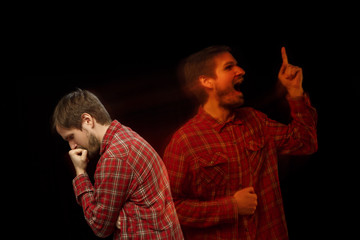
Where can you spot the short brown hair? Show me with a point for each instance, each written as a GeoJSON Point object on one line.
{"type": "Point", "coordinates": [67, 113]}
{"type": "Point", "coordinates": [197, 64]}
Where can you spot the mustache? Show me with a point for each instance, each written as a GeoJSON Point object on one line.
{"type": "Point", "coordinates": [80, 147]}
{"type": "Point", "coordinates": [240, 78]}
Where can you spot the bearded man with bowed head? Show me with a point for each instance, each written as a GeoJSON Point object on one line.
{"type": "Point", "coordinates": [131, 183]}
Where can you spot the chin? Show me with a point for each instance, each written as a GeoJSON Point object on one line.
{"type": "Point", "coordinates": [240, 101]}
{"type": "Point", "coordinates": [233, 105]}
{"type": "Point", "coordinates": [239, 105]}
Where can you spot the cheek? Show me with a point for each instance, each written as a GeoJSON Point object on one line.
{"type": "Point", "coordinates": [224, 85]}
{"type": "Point", "coordinates": [81, 140]}
{"type": "Point", "coordinates": [226, 79]}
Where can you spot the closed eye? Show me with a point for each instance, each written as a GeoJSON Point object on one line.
{"type": "Point", "coordinates": [69, 137]}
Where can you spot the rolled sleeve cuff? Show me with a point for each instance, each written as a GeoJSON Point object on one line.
{"type": "Point", "coordinates": [81, 185]}
{"type": "Point", "coordinates": [298, 104]}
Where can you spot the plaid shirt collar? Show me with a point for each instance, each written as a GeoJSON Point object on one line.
{"type": "Point", "coordinates": [114, 126]}
{"type": "Point", "coordinates": [218, 125]}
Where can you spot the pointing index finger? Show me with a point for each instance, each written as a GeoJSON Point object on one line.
{"type": "Point", "coordinates": [284, 56]}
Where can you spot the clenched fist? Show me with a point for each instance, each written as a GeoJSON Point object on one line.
{"type": "Point", "coordinates": [79, 159]}
{"type": "Point", "coordinates": [246, 200]}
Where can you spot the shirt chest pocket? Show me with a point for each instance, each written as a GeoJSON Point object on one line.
{"type": "Point", "coordinates": [254, 150]}
{"type": "Point", "coordinates": [213, 169]}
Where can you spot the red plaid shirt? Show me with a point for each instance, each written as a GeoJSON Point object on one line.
{"type": "Point", "coordinates": [209, 161]}
{"type": "Point", "coordinates": [131, 183]}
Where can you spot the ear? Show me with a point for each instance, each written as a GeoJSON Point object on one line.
{"type": "Point", "coordinates": [87, 120]}
{"type": "Point", "coordinates": [206, 81]}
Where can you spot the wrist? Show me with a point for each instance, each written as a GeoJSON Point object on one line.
{"type": "Point", "coordinates": [294, 93]}
{"type": "Point", "coordinates": [79, 171]}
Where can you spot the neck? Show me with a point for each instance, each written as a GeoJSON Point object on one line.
{"type": "Point", "coordinates": [218, 112]}
{"type": "Point", "coordinates": [100, 132]}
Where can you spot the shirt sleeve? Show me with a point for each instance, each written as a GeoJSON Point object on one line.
{"type": "Point", "coordinates": [299, 137]}
{"type": "Point", "coordinates": [102, 203]}
{"type": "Point", "coordinates": [191, 211]}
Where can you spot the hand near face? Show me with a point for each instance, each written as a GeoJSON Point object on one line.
{"type": "Point", "coordinates": [290, 76]}
{"type": "Point", "coordinates": [79, 158]}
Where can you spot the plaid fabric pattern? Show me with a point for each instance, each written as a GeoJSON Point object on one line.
{"type": "Point", "coordinates": [209, 161]}
{"type": "Point", "coordinates": [131, 182]}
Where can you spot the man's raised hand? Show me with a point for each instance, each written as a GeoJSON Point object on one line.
{"type": "Point", "coordinates": [290, 76]}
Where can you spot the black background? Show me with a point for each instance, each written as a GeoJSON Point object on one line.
{"type": "Point", "coordinates": [130, 63]}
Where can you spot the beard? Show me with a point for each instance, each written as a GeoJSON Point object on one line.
{"type": "Point", "coordinates": [94, 146]}
{"type": "Point", "coordinates": [229, 98]}
{"type": "Point", "coordinates": [93, 150]}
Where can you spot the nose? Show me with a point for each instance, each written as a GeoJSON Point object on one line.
{"type": "Point", "coordinates": [72, 145]}
{"type": "Point", "coordinates": [240, 71]}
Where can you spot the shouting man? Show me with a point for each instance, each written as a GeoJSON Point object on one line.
{"type": "Point", "coordinates": [223, 163]}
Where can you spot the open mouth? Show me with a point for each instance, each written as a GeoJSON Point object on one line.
{"type": "Point", "coordinates": [237, 83]}
{"type": "Point", "coordinates": [237, 86]}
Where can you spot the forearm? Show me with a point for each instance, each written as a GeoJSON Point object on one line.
{"type": "Point", "coordinates": [202, 214]}
{"type": "Point", "coordinates": [303, 125]}
{"type": "Point", "coordinates": [302, 112]}
{"type": "Point", "coordinates": [97, 216]}
{"type": "Point", "coordinates": [295, 92]}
